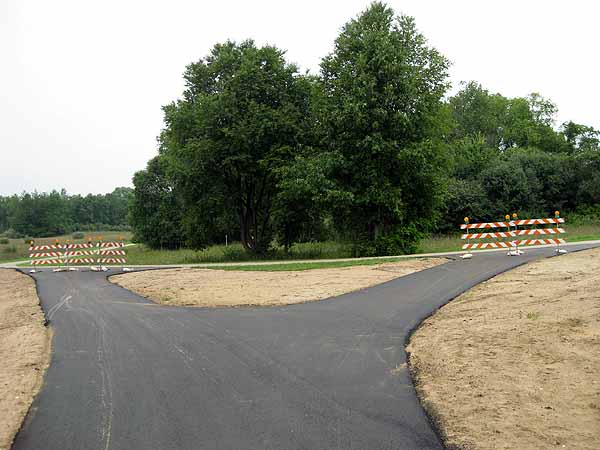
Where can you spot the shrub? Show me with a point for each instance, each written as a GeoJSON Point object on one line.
{"type": "Point", "coordinates": [584, 216]}
{"type": "Point", "coordinates": [4, 241]}
{"type": "Point", "coordinates": [235, 253]}
{"type": "Point", "coordinates": [12, 234]}
{"type": "Point", "coordinates": [402, 240]}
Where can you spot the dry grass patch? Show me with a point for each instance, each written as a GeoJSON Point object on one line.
{"type": "Point", "coordinates": [222, 288]}
{"type": "Point", "coordinates": [25, 349]}
{"type": "Point", "coordinates": [514, 362]}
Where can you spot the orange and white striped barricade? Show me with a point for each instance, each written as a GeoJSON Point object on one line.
{"type": "Point", "coordinates": [64, 255]}
{"type": "Point", "coordinates": [551, 232]}
{"type": "Point", "coordinates": [68, 255]}
{"type": "Point", "coordinates": [110, 253]}
{"type": "Point", "coordinates": [485, 231]}
{"type": "Point", "coordinates": [45, 254]}
{"type": "Point", "coordinates": [77, 254]}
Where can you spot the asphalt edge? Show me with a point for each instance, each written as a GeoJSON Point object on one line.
{"type": "Point", "coordinates": [109, 275]}
{"type": "Point", "coordinates": [30, 412]}
{"type": "Point", "coordinates": [433, 421]}
{"type": "Point", "coordinates": [451, 254]}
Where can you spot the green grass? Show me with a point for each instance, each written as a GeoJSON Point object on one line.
{"type": "Point", "coordinates": [292, 266]}
{"type": "Point", "coordinates": [18, 249]}
{"type": "Point", "coordinates": [438, 244]}
{"type": "Point", "coordinates": [143, 255]}
{"type": "Point", "coordinates": [140, 254]}
{"type": "Point", "coordinates": [583, 233]}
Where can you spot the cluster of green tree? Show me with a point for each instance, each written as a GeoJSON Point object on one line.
{"type": "Point", "coordinates": [370, 150]}
{"type": "Point", "coordinates": [55, 213]}
{"type": "Point", "coordinates": [506, 156]}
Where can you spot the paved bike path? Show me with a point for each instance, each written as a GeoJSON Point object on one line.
{"type": "Point", "coordinates": [127, 374]}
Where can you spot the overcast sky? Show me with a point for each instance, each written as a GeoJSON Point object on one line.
{"type": "Point", "coordinates": [82, 83]}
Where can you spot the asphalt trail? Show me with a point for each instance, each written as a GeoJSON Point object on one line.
{"type": "Point", "coordinates": [127, 374]}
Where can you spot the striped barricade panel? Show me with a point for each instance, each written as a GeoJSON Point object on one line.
{"type": "Point", "coordinates": [112, 252]}
{"type": "Point", "coordinates": [79, 261]}
{"type": "Point", "coordinates": [111, 244]}
{"type": "Point", "coordinates": [548, 221]}
{"type": "Point", "coordinates": [482, 245]}
{"type": "Point", "coordinates": [497, 234]}
{"type": "Point", "coordinates": [61, 247]}
{"type": "Point", "coordinates": [79, 253]}
{"type": "Point", "coordinates": [36, 248]}
{"type": "Point", "coordinates": [40, 262]}
{"type": "Point", "coordinates": [515, 233]}
{"type": "Point", "coordinates": [111, 260]}
{"type": "Point", "coordinates": [45, 255]}
{"type": "Point", "coordinates": [475, 226]}
{"type": "Point", "coordinates": [540, 242]}
{"type": "Point", "coordinates": [77, 246]}
{"type": "Point", "coordinates": [540, 231]}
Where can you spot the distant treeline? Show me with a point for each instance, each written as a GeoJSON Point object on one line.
{"type": "Point", "coordinates": [55, 213]}
{"type": "Point", "coordinates": [371, 150]}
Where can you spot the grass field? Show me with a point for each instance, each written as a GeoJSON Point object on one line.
{"type": "Point", "coordinates": [139, 254]}
{"type": "Point", "coordinates": [296, 266]}
{"type": "Point", "coordinates": [574, 233]}
{"type": "Point", "coordinates": [18, 249]}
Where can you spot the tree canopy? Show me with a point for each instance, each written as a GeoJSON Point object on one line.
{"type": "Point", "coordinates": [49, 214]}
{"type": "Point", "coordinates": [244, 114]}
{"type": "Point", "coordinates": [372, 149]}
{"type": "Point", "coordinates": [384, 86]}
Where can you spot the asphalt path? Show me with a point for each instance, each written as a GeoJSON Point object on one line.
{"type": "Point", "coordinates": [128, 374]}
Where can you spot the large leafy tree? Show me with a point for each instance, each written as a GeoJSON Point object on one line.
{"type": "Point", "coordinates": [477, 114]}
{"type": "Point", "coordinates": [155, 210]}
{"type": "Point", "coordinates": [504, 122]}
{"type": "Point", "coordinates": [384, 86]}
{"type": "Point", "coordinates": [244, 113]}
{"type": "Point", "coordinates": [4, 213]}
{"type": "Point", "coordinates": [47, 214]}
{"type": "Point", "coordinates": [580, 138]}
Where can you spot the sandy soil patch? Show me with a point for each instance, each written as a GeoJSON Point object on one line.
{"type": "Point", "coordinates": [514, 363]}
{"type": "Point", "coordinates": [221, 288]}
{"type": "Point", "coordinates": [24, 350]}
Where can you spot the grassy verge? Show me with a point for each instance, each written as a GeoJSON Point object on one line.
{"type": "Point", "coordinates": [551, 324]}
{"type": "Point", "coordinates": [308, 265]}
{"type": "Point", "coordinates": [25, 350]}
{"type": "Point", "coordinates": [18, 249]}
{"type": "Point", "coordinates": [575, 233]}
{"type": "Point", "coordinates": [143, 255]}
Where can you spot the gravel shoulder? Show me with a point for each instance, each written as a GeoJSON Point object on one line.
{"type": "Point", "coordinates": [514, 362]}
{"type": "Point", "coordinates": [225, 288]}
{"type": "Point", "coordinates": [24, 350]}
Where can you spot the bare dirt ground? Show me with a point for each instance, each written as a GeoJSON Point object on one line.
{"type": "Point", "coordinates": [24, 350]}
{"type": "Point", "coordinates": [223, 288]}
{"type": "Point", "coordinates": [514, 363]}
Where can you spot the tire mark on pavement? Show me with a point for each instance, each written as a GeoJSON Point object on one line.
{"type": "Point", "coordinates": [64, 300]}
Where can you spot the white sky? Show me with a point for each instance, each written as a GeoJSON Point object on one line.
{"type": "Point", "coordinates": [82, 83]}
